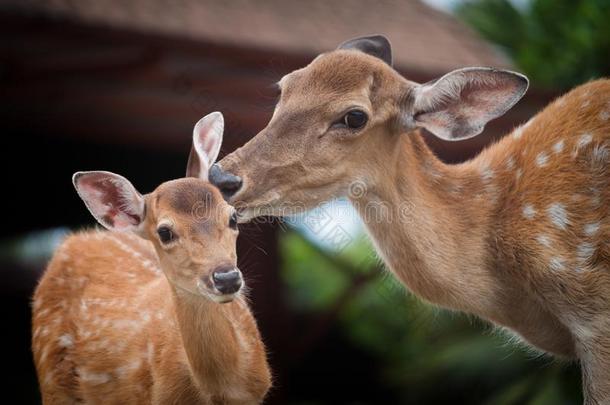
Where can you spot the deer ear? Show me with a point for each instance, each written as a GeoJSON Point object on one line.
{"type": "Point", "coordinates": [207, 138]}
{"type": "Point", "coordinates": [374, 45]}
{"type": "Point", "coordinates": [111, 199]}
{"type": "Point", "coordinates": [459, 104]}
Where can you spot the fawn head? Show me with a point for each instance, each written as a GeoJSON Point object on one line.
{"type": "Point", "coordinates": [341, 116]}
{"type": "Point", "coordinates": [192, 228]}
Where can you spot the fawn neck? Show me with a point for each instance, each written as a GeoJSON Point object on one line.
{"type": "Point", "coordinates": [436, 241]}
{"type": "Point", "coordinates": [207, 334]}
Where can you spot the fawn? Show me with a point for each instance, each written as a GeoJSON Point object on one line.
{"type": "Point", "coordinates": [152, 313]}
{"type": "Point", "coordinates": [519, 235]}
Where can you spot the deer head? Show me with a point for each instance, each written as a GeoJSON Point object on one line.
{"type": "Point", "coordinates": [192, 228]}
{"type": "Point", "coordinates": [341, 116]}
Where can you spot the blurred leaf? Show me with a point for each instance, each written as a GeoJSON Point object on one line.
{"type": "Point", "coordinates": [557, 43]}
{"type": "Point", "coordinates": [420, 345]}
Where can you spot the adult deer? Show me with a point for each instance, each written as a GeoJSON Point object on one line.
{"type": "Point", "coordinates": [152, 313]}
{"type": "Point", "coordinates": [519, 235]}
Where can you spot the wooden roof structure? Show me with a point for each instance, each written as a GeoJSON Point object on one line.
{"type": "Point", "coordinates": [425, 39]}
{"type": "Point", "coordinates": [141, 72]}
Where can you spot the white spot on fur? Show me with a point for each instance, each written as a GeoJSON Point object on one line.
{"type": "Point", "coordinates": [66, 340]}
{"type": "Point", "coordinates": [542, 159]}
{"type": "Point", "coordinates": [517, 133]}
{"type": "Point", "coordinates": [558, 147]}
{"type": "Point", "coordinates": [134, 365]}
{"type": "Point", "coordinates": [544, 240]}
{"type": "Point", "coordinates": [428, 168]}
{"type": "Point", "coordinates": [145, 262]}
{"type": "Point", "coordinates": [599, 156]}
{"type": "Point", "coordinates": [510, 163]}
{"type": "Point", "coordinates": [528, 211]}
{"type": "Point", "coordinates": [37, 304]}
{"type": "Point", "coordinates": [583, 141]}
{"type": "Point", "coordinates": [585, 252]}
{"type": "Point", "coordinates": [487, 173]}
{"type": "Point", "coordinates": [582, 331]}
{"type": "Point", "coordinates": [42, 312]}
{"type": "Point", "coordinates": [591, 229]}
{"type": "Point", "coordinates": [44, 354]}
{"type": "Point", "coordinates": [122, 323]}
{"type": "Point", "coordinates": [84, 334]}
{"type": "Point", "coordinates": [558, 215]}
{"type": "Point", "coordinates": [150, 351]}
{"type": "Point", "coordinates": [519, 173]}
{"type": "Point", "coordinates": [557, 263]}
{"type": "Point", "coordinates": [82, 281]}
{"type": "Point", "coordinates": [83, 307]}
{"type": "Point", "coordinates": [48, 379]}
{"type": "Point", "coordinates": [596, 200]}
{"type": "Point", "coordinates": [93, 378]}
{"type": "Point", "coordinates": [604, 115]}
{"type": "Point", "coordinates": [586, 103]}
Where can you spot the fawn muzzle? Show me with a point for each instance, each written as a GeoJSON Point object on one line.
{"type": "Point", "coordinates": [227, 280]}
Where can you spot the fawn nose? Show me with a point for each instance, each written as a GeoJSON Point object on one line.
{"type": "Point", "coordinates": [227, 183]}
{"type": "Point", "coordinates": [227, 279]}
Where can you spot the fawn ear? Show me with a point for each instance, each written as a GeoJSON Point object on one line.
{"type": "Point", "coordinates": [459, 104]}
{"type": "Point", "coordinates": [111, 199]}
{"type": "Point", "coordinates": [374, 45]}
{"type": "Point", "coordinates": [207, 138]}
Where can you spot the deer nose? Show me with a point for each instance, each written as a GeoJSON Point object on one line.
{"type": "Point", "coordinates": [227, 183]}
{"type": "Point", "coordinates": [227, 280]}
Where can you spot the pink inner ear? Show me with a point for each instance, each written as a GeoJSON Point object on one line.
{"type": "Point", "coordinates": [459, 104]}
{"type": "Point", "coordinates": [111, 201]}
{"type": "Point", "coordinates": [209, 136]}
{"type": "Point", "coordinates": [208, 145]}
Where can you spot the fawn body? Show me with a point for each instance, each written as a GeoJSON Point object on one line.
{"type": "Point", "coordinates": [519, 235]}
{"type": "Point", "coordinates": [153, 314]}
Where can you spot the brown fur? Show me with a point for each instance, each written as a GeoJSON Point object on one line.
{"type": "Point", "coordinates": [458, 235]}
{"type": "Point", "coordinates": [110, 329]}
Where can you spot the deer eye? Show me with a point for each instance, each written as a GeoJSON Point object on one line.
{"type": "Point", "coordinates": [165, 234]}
{"type": "Point", "coordinates": [355, 119]}
{"type": "Point", "coordinates": [233, 221]}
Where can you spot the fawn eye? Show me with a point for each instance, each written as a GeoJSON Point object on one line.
{"type": "Point", "coordinates": [233, 221]}
{"type": "Point", "coordinates": [355, 119]}
{"type": "Point", "coordinates": [165, 234]}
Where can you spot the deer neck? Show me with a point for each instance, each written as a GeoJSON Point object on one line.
{"type": "Point", "coordinates": [434, 233]}
{"type": "Point", "coordinates": [208, 336]}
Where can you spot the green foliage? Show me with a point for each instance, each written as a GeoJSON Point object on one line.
{"type": "Point", "coordinates": [420, 346]}
{"type": "Point", "coordinates": [307, 268]}
{"type": "Point", "coordinates": [557, 43]}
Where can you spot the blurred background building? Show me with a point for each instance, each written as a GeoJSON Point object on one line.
{"type": "Point", "coordinates": [118, 85]}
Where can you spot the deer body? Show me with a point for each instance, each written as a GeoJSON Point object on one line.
{"type": "Point", "coordinates": [153, 313]}
{"type": "Point", "coordinates": [109, 328]}
{"type": "Point", "coordinates": [519, 235]}
{"type": "Point", "coordinates": [523, 233]}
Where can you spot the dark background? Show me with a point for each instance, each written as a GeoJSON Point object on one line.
{"type": "Point", "coordinates": [118, 85]}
